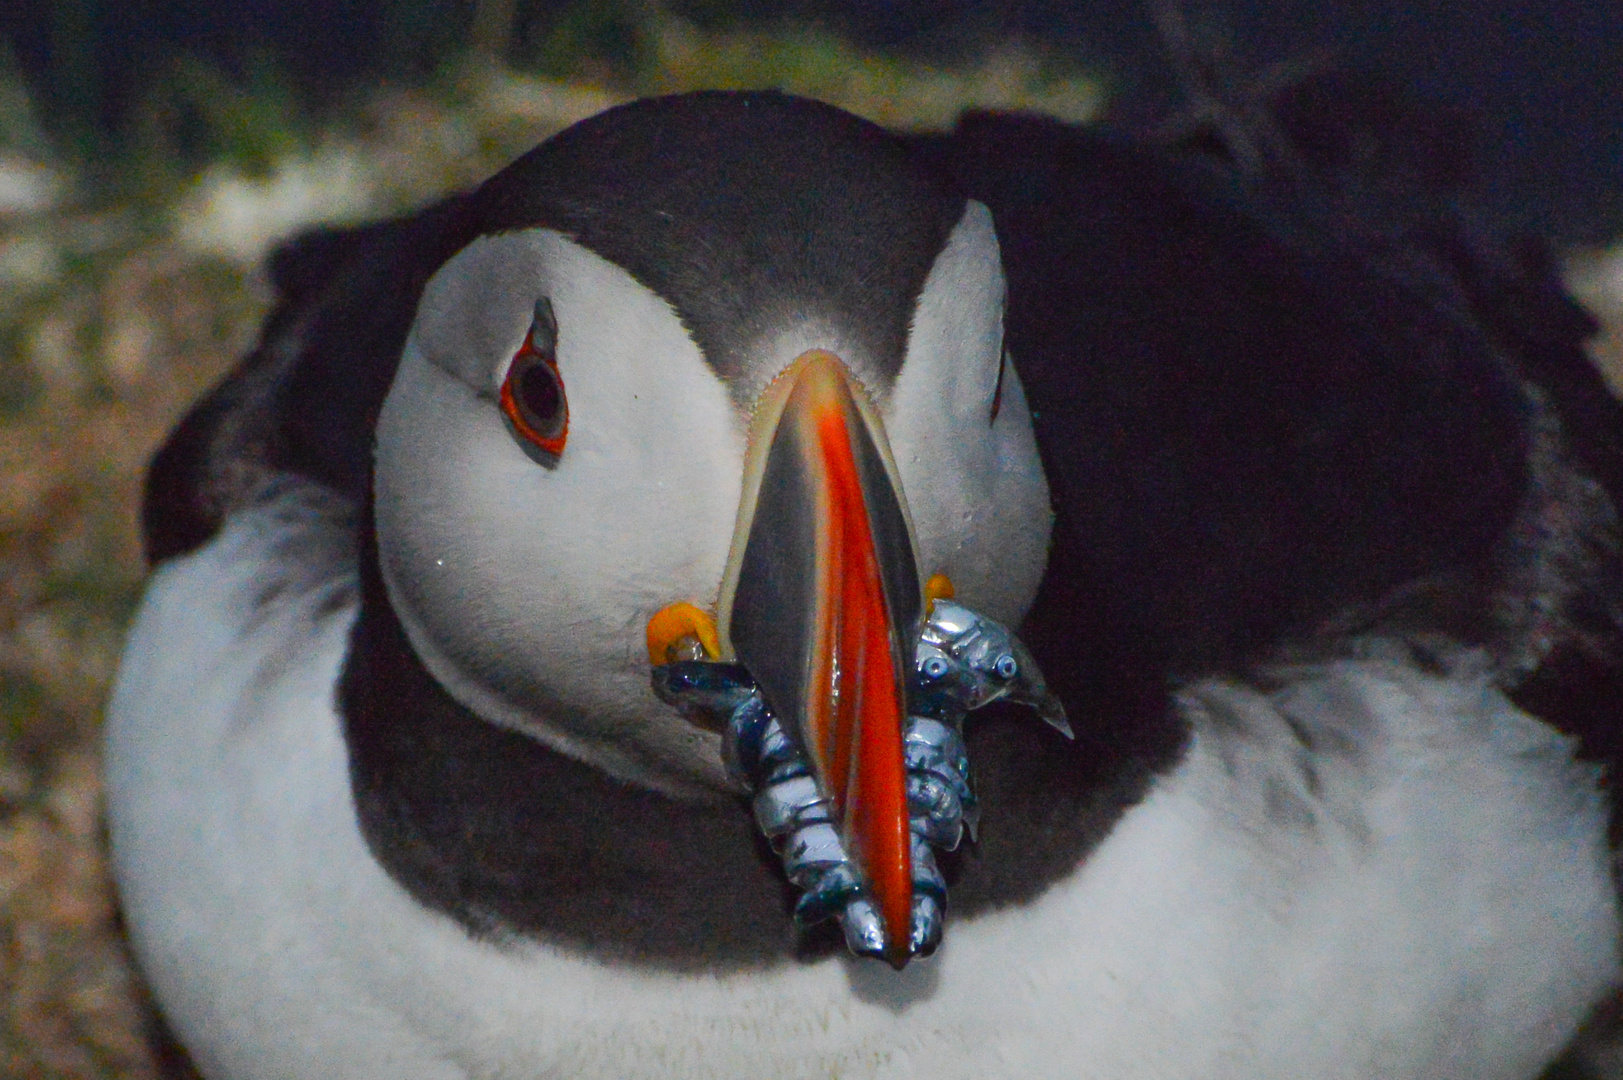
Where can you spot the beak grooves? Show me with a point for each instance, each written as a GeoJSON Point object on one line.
{"type": "Point", "coordinates": [821, 604]}
{"type": "Point", "coordinates": [855, 713]}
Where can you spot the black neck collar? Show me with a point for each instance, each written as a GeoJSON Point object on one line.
{"type": "Point", "coordinates": [510, 837]}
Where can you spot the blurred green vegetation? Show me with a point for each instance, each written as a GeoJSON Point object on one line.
{"type": "Point", "coordinates": [187, 82]}
{"type": "Point", "coordinates": [131, 105]}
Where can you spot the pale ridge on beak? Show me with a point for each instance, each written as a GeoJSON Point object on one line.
{"type": "Point", "coordinates": [821, 605]}
{"type": "Point", "coordinates": [840, 705]}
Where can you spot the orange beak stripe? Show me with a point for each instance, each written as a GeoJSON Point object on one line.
{"type": "Point", "coordinates": [819, 601]}
{"type": "Point", "coordinates": [855, 705]}
{"type": "Point", "coordinates": [862, 709]}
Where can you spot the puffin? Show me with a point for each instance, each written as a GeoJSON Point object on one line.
{"type": "Point", "coordinates": [745, 593]}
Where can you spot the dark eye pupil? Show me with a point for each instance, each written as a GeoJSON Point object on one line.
{"type": "Point", "coordinates": [538, 392]}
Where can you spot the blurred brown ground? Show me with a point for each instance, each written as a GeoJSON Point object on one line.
{"type": "Point", "coordinates": [70, 567]}
{"type": "Point", "coordinates": [112, 326]}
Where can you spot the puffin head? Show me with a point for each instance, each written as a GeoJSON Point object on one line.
{"type": "Point", "coordinates": [736, 352]}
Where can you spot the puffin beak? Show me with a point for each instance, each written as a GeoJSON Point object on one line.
{"type": "Point", "coordinates": [821, 604]}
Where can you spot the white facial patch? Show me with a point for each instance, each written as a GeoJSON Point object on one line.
{"type": "Point", "coordinates": [974, 484]}
{"type": "Point", "coordinates": [526, 589]}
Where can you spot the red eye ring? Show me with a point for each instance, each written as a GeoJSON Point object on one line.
{"type": "Point", "coordinates": [532, 393]}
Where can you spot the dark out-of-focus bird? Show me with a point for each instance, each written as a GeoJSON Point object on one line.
{"type": "Point", "coordinates": [1302, 500]}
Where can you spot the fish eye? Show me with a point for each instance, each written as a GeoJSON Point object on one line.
{"type": "Point", "coordinates": [1006, 667]}
{"type": "Point", "coordinates": [532, 394]}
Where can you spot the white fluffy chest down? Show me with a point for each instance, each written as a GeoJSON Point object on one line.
{"type": "Point", "coordinates": [1369, 873]}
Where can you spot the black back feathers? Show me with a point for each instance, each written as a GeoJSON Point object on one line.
{"type": "Point", "coordinates": [1283, 405]}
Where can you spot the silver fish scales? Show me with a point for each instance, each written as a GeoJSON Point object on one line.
{"type": "Point", "coordinates": [962, 661]}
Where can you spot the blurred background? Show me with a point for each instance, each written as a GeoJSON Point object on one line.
{"type": "Point", "coordinates": [153, 151]}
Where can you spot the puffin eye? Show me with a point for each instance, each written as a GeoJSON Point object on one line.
{"type": "Point", "coordinates": [532, 396]}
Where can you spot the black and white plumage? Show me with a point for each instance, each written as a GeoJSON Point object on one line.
{"type": "Point", "coordinates": [1332, 585]}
